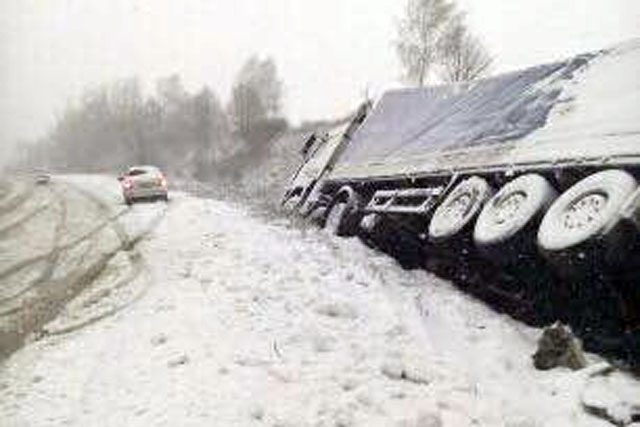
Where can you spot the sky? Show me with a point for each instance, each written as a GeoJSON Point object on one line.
{"type": "Point", "coordinates": [329, 53]}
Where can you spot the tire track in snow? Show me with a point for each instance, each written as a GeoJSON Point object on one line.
{"type": "Point", "coordinates": [128, 241]}
{"type": "Point", "coordinates": [138, 266]}
{"type": "Point", "coordinates": [49, 259]}
{"type": "Point", "coordinates": [33, 305]}
{"type": "Point", "coordinates": [12, 225]}
{"type": "Point", "coordinates": [52, 255]}
{"type": "Point", "coordinates": [16, 196]}
{"type": "Point", "coordinates": [23, 317]}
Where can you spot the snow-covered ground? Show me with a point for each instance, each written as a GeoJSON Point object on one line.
{"type": "Point", "coordinates": [238, 321]}
{"type": "Point", "coordinates": [55, 241]}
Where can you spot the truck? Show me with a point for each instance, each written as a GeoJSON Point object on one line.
{"type": "Point", "coordinates": [320, 150]}
{"type": "Point", "coordinates": [521, 188]}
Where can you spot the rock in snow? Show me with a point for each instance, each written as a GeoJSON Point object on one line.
{"type": "Point", "coordinates": [559, 347]}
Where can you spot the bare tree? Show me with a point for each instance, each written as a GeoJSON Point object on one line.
{"type": "Point", "coordinates": [256, 99]}
{"type": "Point", "coordinates": [117, 124]}
{"type": "Point", "coordinates": [462, 57]}
{"type": "Point", "coordinates": [247, 107]}
{"type": "Point", "coordinates": [419, 34]}
{"type": "Point", "coordinates": [257, 82]}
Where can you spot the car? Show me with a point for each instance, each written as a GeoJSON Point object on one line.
{"type": "Point", "coordinates": [143, 182]}
{"type": "Point", "coordinates": [42, 177]}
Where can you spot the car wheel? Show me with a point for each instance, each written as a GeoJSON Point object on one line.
{"type": "Point", "coordinates": [515, 209]}
{"type": "Point", "coordinates": [584, 228]}
{"type": "Point", "coordinates": [457, 212]}
{"type": "Point", "coordinates": [128, 201]}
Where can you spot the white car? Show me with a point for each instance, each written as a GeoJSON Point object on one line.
{"type": "Point", "coordinates": [42, 177]}
{"type": "Point", "coordinates": [143, 182]}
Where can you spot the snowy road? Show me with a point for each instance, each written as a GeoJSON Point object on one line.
{"type": "Point", "coordinates": [241, 321]}
{"type": "Point", "coordinates": [57, 238]}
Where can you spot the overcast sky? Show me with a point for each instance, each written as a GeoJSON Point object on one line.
{"type": "Point", "coordinates": [327, 51]}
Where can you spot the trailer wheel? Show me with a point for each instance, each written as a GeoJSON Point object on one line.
{"type": "Point", "coordinates": [459, 209]}
{"type": "Point", "coordinates": [516, 206]}
{"type": "Point", "coordinates": [584, 226]}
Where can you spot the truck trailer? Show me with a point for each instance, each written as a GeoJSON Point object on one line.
{"type": "Point", "coordinates": [522, 187]}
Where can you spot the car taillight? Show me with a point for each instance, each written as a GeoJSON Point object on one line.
{"type": "Point", "coordinates": [163, 181]}
{"type": "Point", "coordinates": [127, 184]}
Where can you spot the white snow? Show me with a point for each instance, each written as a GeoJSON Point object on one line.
{"type": "Point", "coordinates": [614, 394]}
{"type": "Point", "coordinates": [238, 321]}
{"type": "Point", "coordinates": [598, 117]}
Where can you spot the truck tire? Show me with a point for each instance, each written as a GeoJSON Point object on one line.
{"type": "Point", "coordinates": [631, 209]}
{"type": "Point", "coordinates": [343, 215]}
{"type": "Point", "coordinates": [518, 205]}
{"type": "Point", "coordinates": [505, 234]}
{"type": "Point", "coordinates": [459, 209]}
{"type": "Point", "coordinates": [317, 215]}
{"type": "Point", "coordinates": [583, 227]}
{"type": "Point", "coordinates": [336, 219]}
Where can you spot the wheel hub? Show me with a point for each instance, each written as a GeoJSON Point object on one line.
{"type": "Point", "coordinates": [458, 208]}
{"type": "Point", "coordinates": [507, 208]}
{"type": "Point", "coordinates": [584, 211]}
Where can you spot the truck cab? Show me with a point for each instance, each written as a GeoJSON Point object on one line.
{"type": "Point", "coordinates": [320, 151]}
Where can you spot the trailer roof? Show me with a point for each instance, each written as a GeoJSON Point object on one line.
{"type": "Point", "coordinates": [499, 121]}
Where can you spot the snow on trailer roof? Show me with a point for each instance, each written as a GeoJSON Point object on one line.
{"type": "Point", "coordinates": [583, 109]}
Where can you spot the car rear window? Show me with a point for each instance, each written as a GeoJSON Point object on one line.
{"type": "Point", "coordinates": [134, 172]}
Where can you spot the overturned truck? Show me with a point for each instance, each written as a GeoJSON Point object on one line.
{"type": "Point", "coordinates": [522, 188]}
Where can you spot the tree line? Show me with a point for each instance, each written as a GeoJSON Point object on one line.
{"type": "Point", "coordinates": [189, 133]}
{"type": "Point", "coordinates": [194, 134]}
